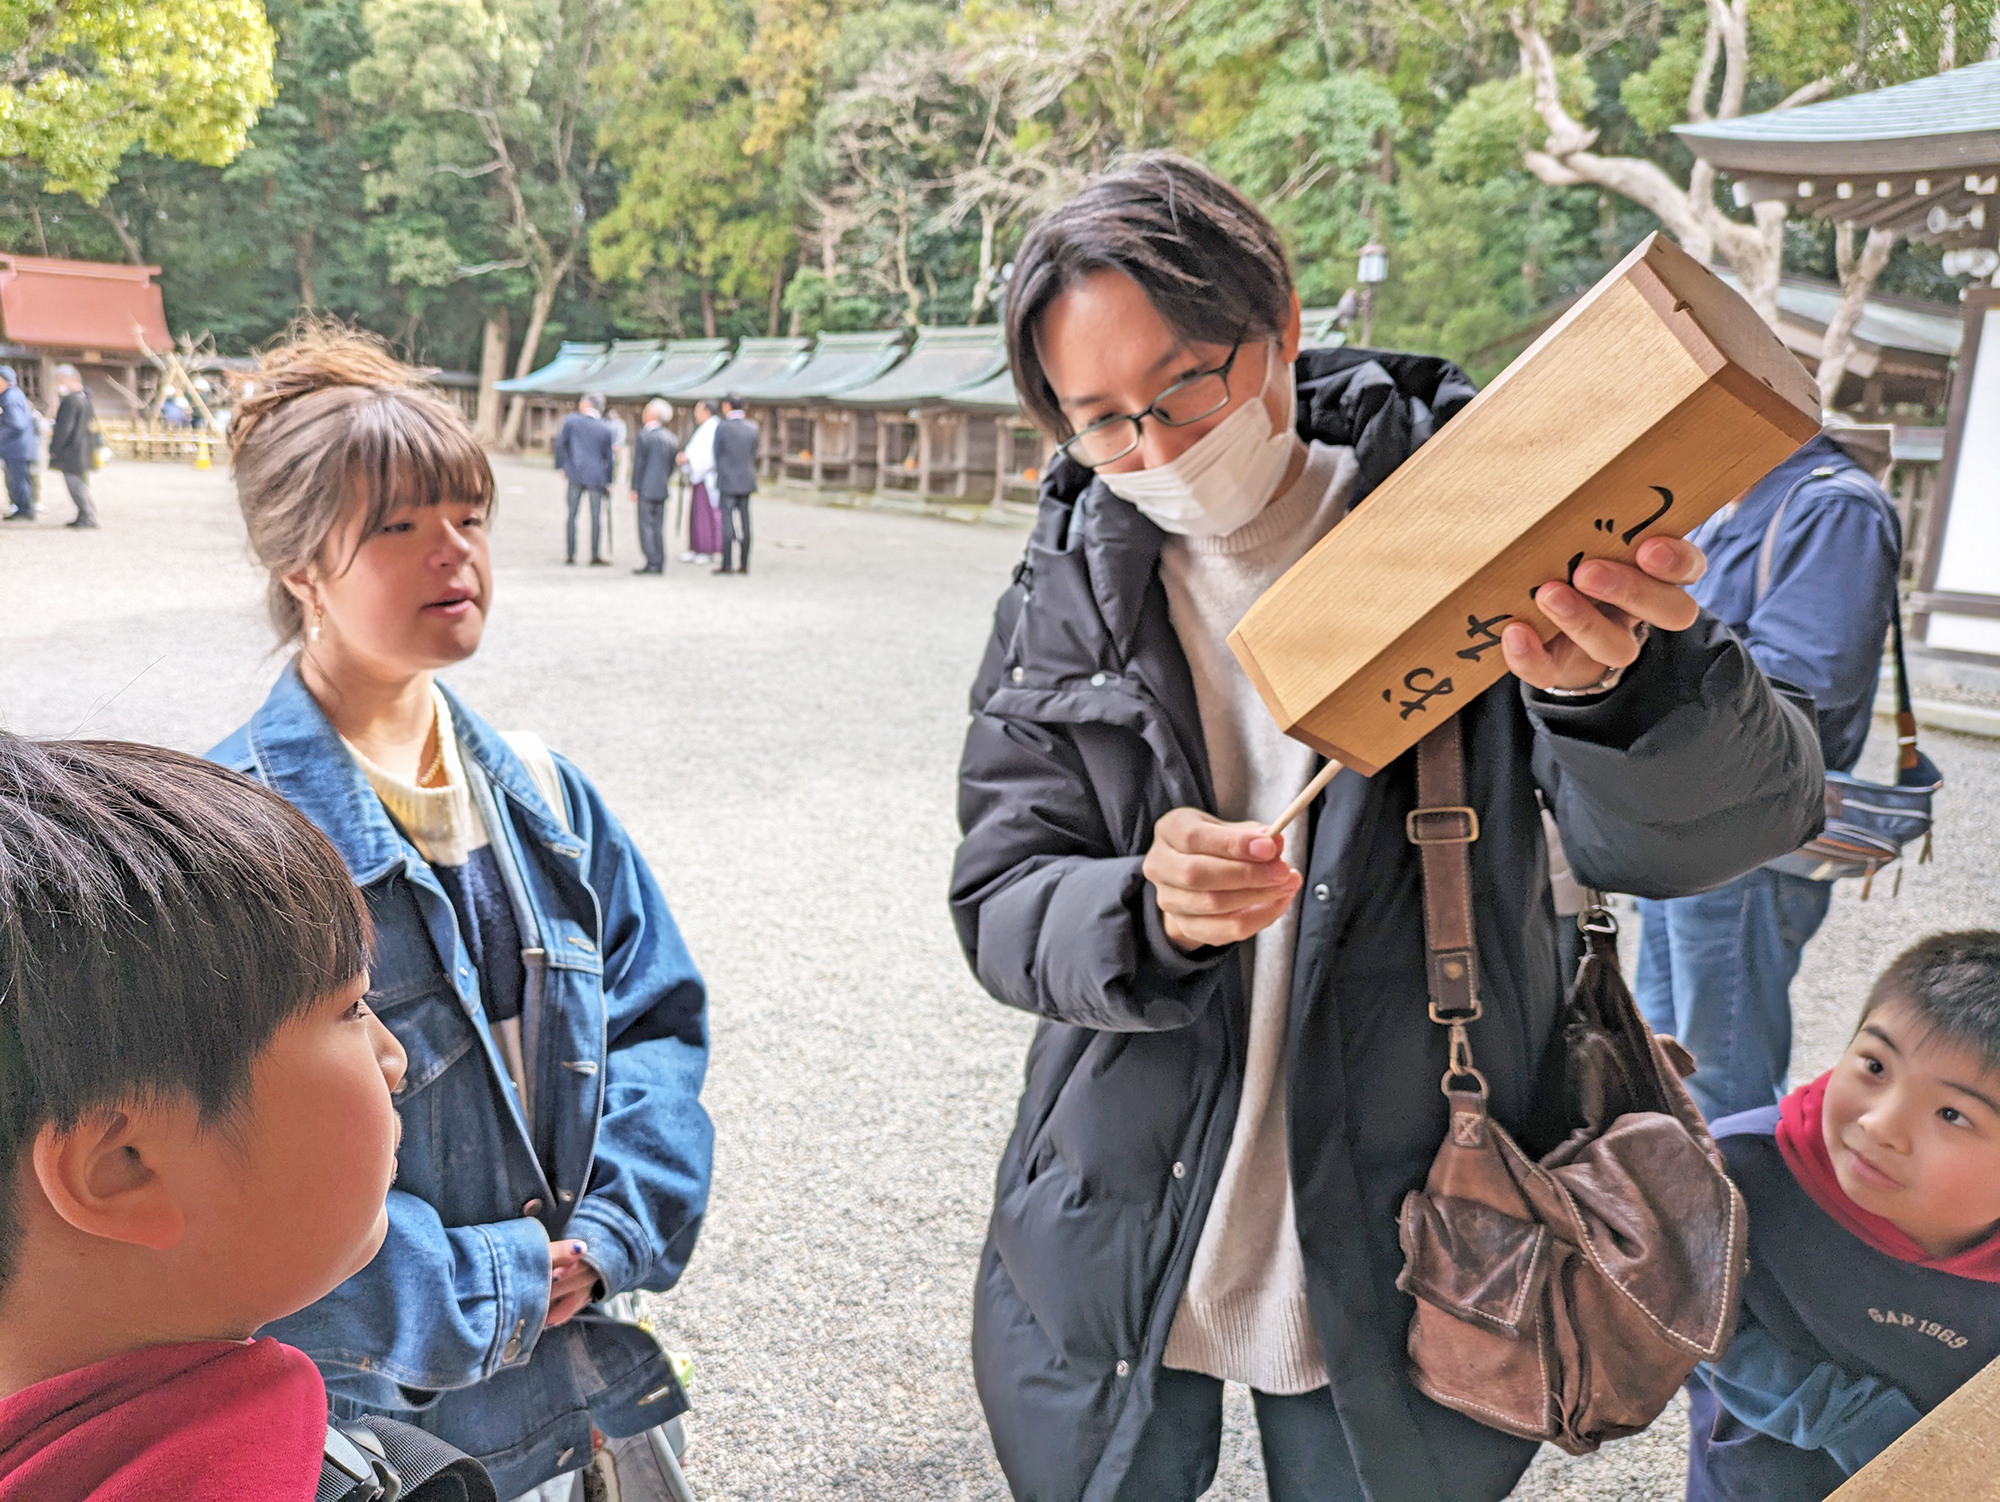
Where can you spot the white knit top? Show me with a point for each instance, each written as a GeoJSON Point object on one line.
{"type": "Point", "coordinates": [1243, 1317]}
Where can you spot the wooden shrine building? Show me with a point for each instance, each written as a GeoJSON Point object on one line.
{"type": "Point", "coordinates": [98, 316]}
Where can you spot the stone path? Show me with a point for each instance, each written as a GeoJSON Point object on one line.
{"type": "Point", "coordinates": [784, 747]}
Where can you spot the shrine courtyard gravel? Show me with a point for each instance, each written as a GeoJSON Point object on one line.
{"type": "Point", "coordinates": [784, 748]}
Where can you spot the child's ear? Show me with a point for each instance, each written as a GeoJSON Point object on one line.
{"type": "Point", "coordinates": [104, 1177]}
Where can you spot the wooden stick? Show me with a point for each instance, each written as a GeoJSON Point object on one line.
{"type": "Point", "coordinates": [1304, 800]}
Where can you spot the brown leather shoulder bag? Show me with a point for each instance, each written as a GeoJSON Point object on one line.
{"type": "Point", "coordinates": [1563, 1298]}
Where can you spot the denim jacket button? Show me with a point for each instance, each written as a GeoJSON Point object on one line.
{"type": "Point", "coordinates": [1017, 675]}
{"type": "Point", "coordinates": [1322, 891]}
{"type": "Point", "coordinates": [1124, 1368]}
{"type": "Point", "coordinates": [1097, 680]}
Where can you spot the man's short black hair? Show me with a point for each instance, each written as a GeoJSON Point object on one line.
{"type": "Point", "coordinates": [732, 404]}
{"type": "Point", "coordinates": [161, 918]}
{"type": "Point", "coordinates": [1209, 263]}
{"type": "Point", "coordinates": [1951, 983]}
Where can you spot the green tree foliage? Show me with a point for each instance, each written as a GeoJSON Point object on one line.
{"type": "Point", "coordinates": [439, 169]}
{"type": "Point", "coordinates": [495, 159]}
{"type": "Point", "coordinates": [85, 82]}
{"type": "Point", "coordinates": [695, 210]}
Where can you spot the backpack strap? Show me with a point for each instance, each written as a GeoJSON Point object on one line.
{"type": "Point", "coordinates": [1442, 826]}
{"type": "Point", "coordinates": [1906, 717]}
{"type": "Point", "coordinates": [379, 1460]}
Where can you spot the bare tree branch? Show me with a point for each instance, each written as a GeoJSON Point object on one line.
{"type": "Point", "coordinates": [1857, 280]}
{"type": "Point", "coordinates": [1704, 73]}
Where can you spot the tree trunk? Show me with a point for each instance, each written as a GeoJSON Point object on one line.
{"type": "Point", "coordinates": [1857, 280]}
{"type": "Point", "coordinates": [982, 287]}
{"type": "Point", "coordinates": [903, 281]}
{"type": "Point", "coordinates": [777, 298]}
{"type": "Point", "coordinates": [109, 215]}
{"type": "Point", "coordinates": [538, 315]}
{"type": "Point", "coordinates": [707, 309]}
{"type": "Point", "coordinates": [492, 365]}
{"type": "Point", "coordinates": [302, 257]}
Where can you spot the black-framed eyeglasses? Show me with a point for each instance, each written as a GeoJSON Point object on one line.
{"type": "Point", "coordinates": [1188, 400]}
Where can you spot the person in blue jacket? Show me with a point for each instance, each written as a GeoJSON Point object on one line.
{"type": "Point", "coordinates": [19, 445]}
{"type": "Point", "coordinates": [1803, 570]}
{"type": "Point", "coordinates": [555, 1152]}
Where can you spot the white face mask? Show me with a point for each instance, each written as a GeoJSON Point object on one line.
{"type": "Point", "coordinates": [1228, 476]}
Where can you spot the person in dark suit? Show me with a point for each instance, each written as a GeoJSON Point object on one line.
{"type": "Point", "coordinates": [736, 478]}
{"type": "Point", "coordinates": [73, 443]}
{"type": "Point", "coordinates": [18, 442]}
{"type": "Point", "coordinates": [587, 454]}
{"type": "Point", "coordinates": [653, 460]}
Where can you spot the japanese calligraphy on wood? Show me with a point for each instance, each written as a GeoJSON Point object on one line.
{"type": "Point", "coordinates": [1656, 400]}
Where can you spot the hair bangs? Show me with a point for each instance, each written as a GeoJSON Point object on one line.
{"type": "Point", "coordinates": [1950, 985]}
{"type": "Point", "coordinates": [401, 455]}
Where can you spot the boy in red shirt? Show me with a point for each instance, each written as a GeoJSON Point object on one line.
{"type": "Point", "coordinates": [1874, 1195]}
{"type": "Point", "coordinates": [195, 1124]}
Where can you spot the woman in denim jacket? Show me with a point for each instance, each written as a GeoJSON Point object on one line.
{"type": "Point", "coordinates": [555, 1151]}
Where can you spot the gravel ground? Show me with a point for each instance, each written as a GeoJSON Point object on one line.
{"type": "Point", "coordinates": [783, 747]}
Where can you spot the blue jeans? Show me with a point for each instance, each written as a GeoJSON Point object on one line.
{"type": "Point", "coordinates": [1715, 970]}
{"type": "Point", "coordinates": [21, 485]}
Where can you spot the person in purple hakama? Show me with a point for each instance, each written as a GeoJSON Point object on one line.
{"type": "Point", "coordinates": [704, 520]}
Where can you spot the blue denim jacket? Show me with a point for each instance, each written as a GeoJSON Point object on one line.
{"type": "Point", "coordinates": [444, 1328]}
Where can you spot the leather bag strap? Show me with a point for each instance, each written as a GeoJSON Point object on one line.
{"type": "Point", "coordinates": [1443, 826]}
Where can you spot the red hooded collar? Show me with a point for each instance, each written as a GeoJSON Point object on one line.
{"type": "Point", "coordinates": [1803, 1144]}
{"type": "Point", "coordinates": [210, 1418]}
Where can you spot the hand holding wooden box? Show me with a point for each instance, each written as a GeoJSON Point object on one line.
{"type": "Point", "coordinates": [1656, 400]}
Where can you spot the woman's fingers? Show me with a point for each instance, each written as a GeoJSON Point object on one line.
{"type": "Point", "coordinates": [1198, 852]}
{"type": "Point", "coordinates": [1232, 928]}
{"type": "Point", "coordinates": [1637, 592]}
{"type": "Point", "coordinates": [1217, 883]}
{"type": "Point", "coordinates": [1673, 559]}
{"type": "Point", "coordinates": [1604, 635]}
{"type": "Point", "coordinates": [1207, 873]}
{"type": "Point", "coordinates": [1193, 832]}
{"type": "Point", "coordinates": [1190, 903]}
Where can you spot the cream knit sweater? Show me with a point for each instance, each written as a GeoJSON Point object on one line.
{"type": "Point", "coordinates": [1243, 1317]}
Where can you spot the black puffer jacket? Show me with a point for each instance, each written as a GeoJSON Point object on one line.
{"type": "Point", "coordinates": [1084, 732]}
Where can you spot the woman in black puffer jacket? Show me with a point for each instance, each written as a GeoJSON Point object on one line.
{"type": "Point", "coordinates": [1235, 1079]}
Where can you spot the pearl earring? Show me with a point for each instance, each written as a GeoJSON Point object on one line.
{"type": "Point", "coordinates": [319, 615]}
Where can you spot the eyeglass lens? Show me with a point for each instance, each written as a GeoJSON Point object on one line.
{"type": "Point", "coordinates": [1186, 402]}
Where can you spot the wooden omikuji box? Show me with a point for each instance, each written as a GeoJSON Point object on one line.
{"type": "Point", "coordinates": [1656, 400]}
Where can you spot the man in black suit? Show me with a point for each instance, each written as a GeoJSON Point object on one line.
{"type": "Point", "coordinates": [653, 459]}
{"type": "Point", "coordinates": [73, 444]}
{"type": "Point", "coordinates": [587, 454]}
{"type": "Point", "coordinates": [736, 478]}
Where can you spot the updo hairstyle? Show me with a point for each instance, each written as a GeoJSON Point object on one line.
{"type": "Point", "coordinates": [329, 416]}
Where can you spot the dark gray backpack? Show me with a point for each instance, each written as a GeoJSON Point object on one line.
{"type": "Point", "coordinates": [380, 1460]}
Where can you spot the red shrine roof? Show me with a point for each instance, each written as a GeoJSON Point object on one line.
{"type": "Point", "coordinates": [94, 305]}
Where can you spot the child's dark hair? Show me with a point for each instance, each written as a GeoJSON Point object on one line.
{"type": "Point", "coordinates": [1209, 263]}
{"type": "Point", "coordinates": [1951, 982]}
{"type": "Point", "coordinates": [161, 918]}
